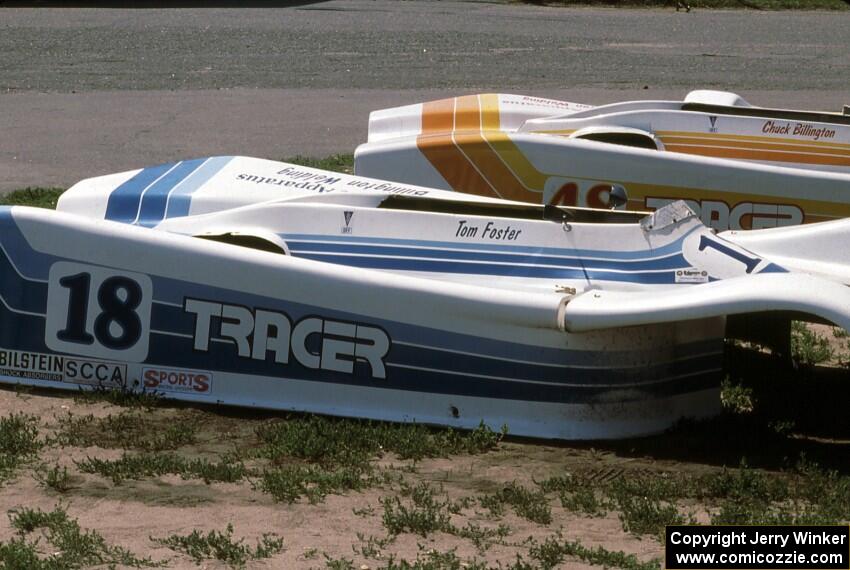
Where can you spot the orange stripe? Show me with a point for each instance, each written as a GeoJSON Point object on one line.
{"type": "Point", "coordinates": [435, 143]}
{"type": "Point", "coordinates": [747, 154]}
{"type": "Point", "coordinates": [438, 116]}
{"type": "Point", "coordinates": [822, 143]}
{"type": "Point", "coordinates": [755, 145]}
{"type": "Point", "coordinates": [470, 141]}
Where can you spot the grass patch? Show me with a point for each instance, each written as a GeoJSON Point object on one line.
{"type": "Point", "coordinates": [123, 397]}
{"type": "Point", "coordinates": [288, 484]}
{"type": "Point", "coordinates": [221, 546]}
{"type": "Point", "coordinates": [126, 430]}
{"type": "Point", "coordinates": [336, 162]}
{"type": "Point", "coordinates": [425, 513]}
{"type": "Point", "coordinates": [313, 456]}
{"type": "Point", "coordinates": [530, 505]}
{"type": "Point", "coordinates": [70, 545]}
{"type": "Point", "coordinates": [135, 467]}
{"type": "Point", "coordinates": [435, 560]}
{"type": "Point", "coordinates": [807, 346]}
{"type": "Point", "coordinates": [703, 4]}
{"type": "Point", "coordinates": [55, 478]}
{"type": "Point", "coordinates": [554, 551]}
{"type": "Point", "coordinates": [19, 442]}
{"type": "Point", "coordinates": [36, 197]}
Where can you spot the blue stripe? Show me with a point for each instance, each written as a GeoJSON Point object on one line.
{"type": "Point", "coordinates": [670, 248]}
{"type": "Point", "coordinates": [467, 268]}
{"type": "Point", "coordinates": [18, 249]}
{"type": "Point", "coordinates": [446, 372]}
{"type": "Point", "coordinates": [668, 262]}
{"type": "Point", "coordinates": [155, 198]}
{"type": "Point", "coordinates": [181, 198]}
{"type": "Point", "coordinates": [124, 201]}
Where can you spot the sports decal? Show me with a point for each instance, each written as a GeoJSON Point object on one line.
{"type": "Point", "coordinates": [180, 380]}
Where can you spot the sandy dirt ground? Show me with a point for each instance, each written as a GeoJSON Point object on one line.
{"type": "Point", "coordinates": [130, 513]}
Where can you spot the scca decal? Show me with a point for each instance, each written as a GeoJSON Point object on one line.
{"type": "Point", "coordinates": [95, 373]}
{"type": "Point", "coordinates": [315, 342]}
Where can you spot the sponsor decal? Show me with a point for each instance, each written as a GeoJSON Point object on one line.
{"type": "Point", "coordinates": [95, 373]}
{"type": "Point", "coordinates": [293, 179]}
{"type": "Point", "coordinates": [797, 129]}
{"type": "Point", "coordinates": [313, 341]}
{"type": "Point", "coordinates": [177, 380]}
{"type": "Point", "coordinates": [56, 368]}
{"type": "Point", "coordinates": [691, 275]}
{"type": "Point", "coordinates": [367, 184]}
{"type": "Point", "coordinates": [32, 365]}
{"type": "Point", "coordinates": [346, 229]}
{"type": "Point", "coordinates": [742, 216]}
{"type": "Point", "coordinates": [495, 231]}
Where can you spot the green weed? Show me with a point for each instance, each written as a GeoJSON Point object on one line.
{"type": "Point", "coordinates": [554, 550]}
{"type": "Point", "coordinates": [531, 505]}
{"type": "Point", "coordinates": [55, 478]}
{"type": "Point", "coordinates": [137, 467]}
{"type": "Point", "coordinates": [71, 546]}
{"type": "Point", "coordinates": [577, 494]}
{"type": "Point", "coordinates": [735, 397]}
{"type": "Point", "coordinates": [641, 508]}
{"type": "Point", "coordinates": [313, 456]}
{"type": "Point", "coordinates": [705, 4]}
{"type": "Point", "coordinates": [31, 196]}
{"type": "Point", "coordinates": [127, 430]}
{"type": "Point", "coordinates": [371, 547]}
{"type": "Point", "coordinates": [808, 347]}
{"type": "Point", "coordinates": [336, 162]}
{"type": "Point", "coordinates": [123, 397]}
{"type": "Point", "coordinates": [220, 546]}
{"type": "Point", "coordinates": [425, 515]}
{"type": "Point", "coordinates": [19, 442]}
{"type": "Point", "coordinates": [288, 484]}
{"type": "Point", "coordinates": [434, 560]}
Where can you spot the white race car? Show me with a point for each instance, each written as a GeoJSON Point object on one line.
{"type": "Point", "coordinates": [736, 165]}
{"type": "Point", "coordinates": [257, 283]}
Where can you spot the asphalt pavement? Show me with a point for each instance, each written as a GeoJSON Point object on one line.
{"type": "Point", "coordinates": [86, 92]}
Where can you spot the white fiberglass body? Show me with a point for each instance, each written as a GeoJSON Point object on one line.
{"type": "Point", "coordinates": [738, 166]}
{"type": "Point", "coordinates": [257, 283]}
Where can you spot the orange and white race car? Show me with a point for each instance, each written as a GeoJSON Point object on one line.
{"type": "Point", "coordinates": [737, 165]}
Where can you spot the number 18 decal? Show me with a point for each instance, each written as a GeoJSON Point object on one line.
{"type": "Point", "coordinates": [100, 312]}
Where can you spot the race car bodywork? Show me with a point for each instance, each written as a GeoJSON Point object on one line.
{"type": "Point", "coordinates": [256, 283]}
{"type": "Point", "coordinates": [737, 166]}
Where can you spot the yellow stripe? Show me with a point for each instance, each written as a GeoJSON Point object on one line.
{"type": "Point", "coordinates": [741, 153]}
{"type": "Point", "coordinates": [499, 141]}
{"type": "Point", "coordinates": [723, 136]}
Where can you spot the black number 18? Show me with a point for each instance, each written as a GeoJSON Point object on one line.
{"type": "Point", "coordinates": [114, 309]}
